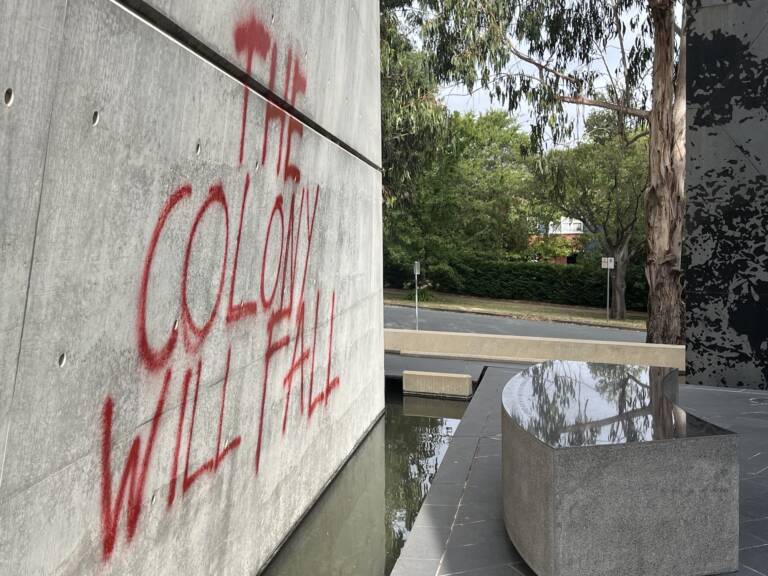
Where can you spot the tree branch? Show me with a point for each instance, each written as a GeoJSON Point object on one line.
{"type": "Point", "coordinates": [603, 104]}
{"type": "Point", "coordinates": [578, 426]}
{"type": "Point", "coordinates": [636, 137]}
{"type": "Point", "coordinates": [541, 66]}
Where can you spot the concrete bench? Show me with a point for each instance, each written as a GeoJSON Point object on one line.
{"type": "Point", "coordinates": [440, 384]}
{"type": "Point", "coordinates": [604, 475]}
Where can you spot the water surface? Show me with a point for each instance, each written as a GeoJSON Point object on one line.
{"type": "Point", "coordinates": [359, 525]}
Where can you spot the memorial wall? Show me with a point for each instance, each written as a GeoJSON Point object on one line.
{"type": "Point", "coordinates": [191, 301]}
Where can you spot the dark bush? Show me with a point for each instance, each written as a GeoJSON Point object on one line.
{"type": "Point", "coordinates": [539, 282]}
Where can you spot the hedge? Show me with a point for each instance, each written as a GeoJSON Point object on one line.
{"type": "Point", "coordinates": [577, 285]}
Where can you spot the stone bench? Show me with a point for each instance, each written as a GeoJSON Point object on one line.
{"type": "Point", "coordinates": [604, 475]}
{"type": "Point", "coordinates": [441, 384]}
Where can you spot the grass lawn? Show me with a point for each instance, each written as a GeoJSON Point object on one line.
{"type": "Point", "coordinates": [518, 309]}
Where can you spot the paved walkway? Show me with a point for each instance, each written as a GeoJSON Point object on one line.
{"type": "Point", "coordinates": [460, 530]}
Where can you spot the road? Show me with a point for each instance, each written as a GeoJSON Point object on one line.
{"type": "Point", "coordinates": [442, 321]}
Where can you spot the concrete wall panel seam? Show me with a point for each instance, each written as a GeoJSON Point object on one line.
{"type": "Point", "coordinates": [156, 18]}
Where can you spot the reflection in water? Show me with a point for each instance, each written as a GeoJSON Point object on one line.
{"type": "Point", "coordinates": [578, 404]}
{"type": "Point", "coordinates": [416, 442]}
{"type": "Point", "coordinates": [344, 532]}
{"type": "Point", "coordinates": [361, 522]}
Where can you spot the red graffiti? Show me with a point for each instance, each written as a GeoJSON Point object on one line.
{"type": "Point", "coordinates": [297, 363]}
{"type": "Point", "coordinates": [155, 359]}
{"type": "Point", "coordinates": [175, 461]}
{"type": "Point", "coordinates": [277, 208]}
{"type": "Point", "coordinates": [199, 333]}
{"type": "Point", "coordinates": [251, 37]}
{"type": "Point", "coordinates": [330, 383]}
{"type": "Point", "coordinates": [213, 463]}
{"type": "Point", "coordinates": [133, 478]}
{"type": "Point", "coordinates": [299, 86]}
{"type": "Point", "coordinates": [245, 308]}
{"type": "Point", "coordinates": [295, 83]}
{"type": "Point", "coordinates": [278, 310]}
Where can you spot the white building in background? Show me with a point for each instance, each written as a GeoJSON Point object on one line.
{"type": "Point", "coordinates": [566, 227]}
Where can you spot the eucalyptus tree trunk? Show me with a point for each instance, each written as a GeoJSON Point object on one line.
{"type": "Point", "coordinates": [665, 200]}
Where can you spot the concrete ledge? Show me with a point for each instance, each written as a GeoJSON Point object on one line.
{"type": "Point", "coordinates": [491, 347]}
{"type": "Point", "coordinates": [437, 384]}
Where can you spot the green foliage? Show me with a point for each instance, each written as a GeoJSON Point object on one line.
{"type": "Point", "coordinates": [469, 199]}
{"type": "Point", "coordinates": [543, 54]}
{"type": "Point", "coordinates": [460, 189]}
{"type": "Point", "coordinates": [515, 280]}
{"type": "Point", "coordinates": [442, 274]}
{"type": "Point", "coordinates": [412, 117]}
{"type": "Point", "coordinates": [425, 293]}
{"type": "Point", "coordinates": [550, 247]}
{"type": "Point", "coordinates": [600, 182]}
{"type": "Point", "coordinates": [471, 212]}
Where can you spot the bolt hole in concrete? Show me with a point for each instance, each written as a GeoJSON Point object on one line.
{"type": "Point", "coordinates": [8, 97]}
{"type": "Point", "coordinates": [95, 118]}
{"type": "Point", "coordinates": [373, 501]}
{"type": "Point", "coordinates": [62, 360]}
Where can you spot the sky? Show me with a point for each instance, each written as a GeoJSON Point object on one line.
{"type": "Point", "coordinates": [457, 98]}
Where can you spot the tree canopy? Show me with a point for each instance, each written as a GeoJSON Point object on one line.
{"type": "Point", "coordinates": [470, 199]}
{"type": "Point", "coordinates": [601, 182]}
{"type": "Point", "coordinates": [627, 56]}
{"type": "Point", "coordinates": [413, 119]}
{"type": "Point", "coordinates": [544, 54]}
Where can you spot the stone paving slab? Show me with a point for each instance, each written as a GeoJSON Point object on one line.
{"type": "Point", "coordinates": [460, 531]}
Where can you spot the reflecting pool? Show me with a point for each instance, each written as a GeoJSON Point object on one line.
{"type": "Point", "coordinates": [360, 523]}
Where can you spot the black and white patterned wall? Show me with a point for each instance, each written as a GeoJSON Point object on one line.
{"type": "Point", "coordinates": [725, 256]}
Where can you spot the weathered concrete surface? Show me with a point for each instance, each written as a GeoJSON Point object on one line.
{"type": "Point", "coordinates": [28, 70]}
{"type": "Point", "coordinates": [336, 41]}
{"type": "Point", "coordinates": [528, 479]}
{"type": "Point", "coordinates": [437, 384]}
{"type": "Point", "coordinates": [670, 507]}
{"type": "Point", "coordinates": [491, 347]}
{"type": "Point", "coordinates": [724, 254]}
{"type": "Point", "coordinates": [590, 495]}
{"type": "Point", "coordinates": [155, 425]}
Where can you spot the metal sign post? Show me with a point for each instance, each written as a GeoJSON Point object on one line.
{"type": "Point", "coordinates": [608, 265]}
{"type": "Point", "coordinates": [416, 271]}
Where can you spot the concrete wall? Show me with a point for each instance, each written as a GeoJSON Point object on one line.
{"type": "Point", "coordinates": [725, 252]}
{"type": "Point", "coordinates": [191, 309]}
